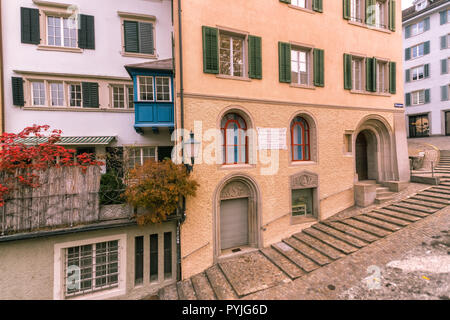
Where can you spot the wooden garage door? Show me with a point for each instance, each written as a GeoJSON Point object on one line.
{"type": "Point", "coordinates": [233, 223]}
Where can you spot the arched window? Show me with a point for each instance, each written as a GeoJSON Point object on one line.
{"type": "Point", "coordinates": [300, 140]}
{"type": "Point", "coordinates": [234, 139]}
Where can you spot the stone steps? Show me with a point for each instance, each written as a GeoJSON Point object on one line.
{"type": "Point", "coordinates": [221, 287]}
{"type": "Point", "coordinates": [414, 207]}
{"type": "Point", "coordinates": [330, 241]}
{"type": "Point", "coordinates": [430, 199]}
{"type": "Point", "coordinates": [377, 223]}
{"type": "Point", "coordinates": [283, 263]}
{"type": "Point", "coordinates": [399, 215]}
{"type": "Point", "coordinates": [404, 209]}
{"type": "Point", "coordinates": [357, 233]}
{"type": "Point", "coordinates": [186, 290]}
{"type": "Point", "coordinates": [304, 263]}
{"type": "Point", "coordinates": [366, 227]}
{"type": "Point", "coordinates": [318, 245]}
{"type": "Point", "coordinates": [356, 242]}
{"type": "Point", "coordinates": [388, 219]}
{"type": "Point", "coordinates": [425, 204]}
{"type": "Point", "coordinates": [202, 287]}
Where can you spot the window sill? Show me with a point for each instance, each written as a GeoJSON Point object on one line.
{"type": "Point", "coordinates": [379, 94]}
{"type": "Point", "coordinates": [139, 55]}
{"type": "Point", "coordinates": [363, 25]}
{"type": "Point", "coordinates": [302, 219]}
{"type": "Point", "coordinates": [301, 9]}
{"type": "Point", "coordinates": [302, 163]}
{"type": "Point", "coordinates": [72, 109]}
{"type": "Point", "coordinates": [236, 166]}
{"type": "Point", "coordinates": [224, 76]}
{"type": "Point", "coordinates": [55, 48]}
{"type": "Point", "coordinates": [303, 86]}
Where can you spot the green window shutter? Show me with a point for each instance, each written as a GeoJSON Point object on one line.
{"type": "Point", "coordinates": [444, 93]}
{"type": "Point", "coordinates": [392, 77]}
{"type": "Point", "coordinates": [408, 99]}
{"type": "Point", "coordinates": [347, 71]}
{"type": "Point", "coordinates": [255, 57]}
{"type": "Point", "coordinates": [17, 91]}
{"type": "Point", "coordinates": [392, 15]}
{"type": "Point", "coordinates": [443, 42]}
{"type": "Point", "coordinates": [444, 67]}
{"type": "Point", "coordinates": [426, 70]}
{"type": "Point", "coordinates": [90, 94]}
{"type": "Point", "coordinates": [426, 47]}
{"type": "Point", "coordinates": [30, 26]}
{"type": "Point", "coordinates": [369, 74]}
{"type": "Point", "coordinates": [131, 36]}
{"type": "Point", "coordinates": [317, 5]}
{"type": "Point", "coordinates": [146, 38]}
{"type": "Point", "coordinates": [407, 54]}
{"type": "Point", "coordinates": [444, 15]}
{"type": "Point", "coordinates": [86, 32]}
{"type": "Point", "coordinates": [319, 72]}
{"type": "Point", "coordinates": [286, 1]}
{"type": "Point", "coordinates": [407, 32]}
{"type": "Point", "coordinates": [374, 74]}
{"type": "Point", "coordinates": [426, 24]}
{"type": "Point", "coordinates": [427, 95]}
{"type": "Point", "coordinates": [210, 50]}
{"type": "Point", "coordinates": [370, 12]}
{"type": "Point", "coordinates": [284, 61]}
{"type": "Point", "coordinates": [346, 7]}
{"type": "Point", "coordinates": [407, 75]}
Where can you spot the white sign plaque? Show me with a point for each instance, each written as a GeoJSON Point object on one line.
{"type": "Point", "coordinates": [272, 138]}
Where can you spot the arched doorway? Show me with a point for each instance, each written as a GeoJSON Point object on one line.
{"type": "Point", "coordinates": [374, 155]}
{"type": "Point", "coordinates": [236, 219]}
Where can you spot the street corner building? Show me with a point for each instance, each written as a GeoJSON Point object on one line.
{"type": "Point", "coordinates": [324, 78]}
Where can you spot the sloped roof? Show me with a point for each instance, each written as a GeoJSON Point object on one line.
{"type": "Point", "coordinates": [411, 12]}
{"type": "Point", "coordinates": [165, 64]}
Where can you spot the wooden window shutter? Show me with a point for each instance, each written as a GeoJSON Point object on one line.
{"type": "Point", "coordinates": [317, 5]}
{"type": "Point", "coordinates": [407, 53]}
{"type": "Point", "coordinates": [374, 74]}
{"type": "Point", "coordinates": [347, 71]}
{"type": "Point", "coordinates": [427, 95]}
{"type": "Point", "coordinates": [444, 66]}
{"type": "Point", "coordinates": [444, 42]}
{"type": "Point", "coordinates": [319, 72]}
{"type": "Point", "coordinates": [426, 47]}
{"type": "Point", "coordinates": [90, 94]}
{"type": "Point", "coordinates": [408, 99]}
{"type": "Point", "coordinates": [392, 77]}
{"type": "Point", "coordinates": [284, 61]}
{"type": "Point", "coordinates": [444, 93]}
{"type": "Point", "coordinates": [210, 50]}
{"type": "Point", "coordinates": [443, 17]}
{"type": "Point", "coordinates": [370, 12]}
{"type": "Point", "coordinates": [407, 32]}
{"type": "Point", "coordinates": [17, 91]}
{"type": "Point", "coordinates": [346, 7]}
{"type": "Point", "coordinates": [86, 32]}
{"type": "Point", "coordinates": [146, 38]}
{"type": "Point", "coordinates": [254, 57]}
{"type": "Point", "coordinates": [407, 75]}
{"type": "Point", "coordinates": [131, 33]}
{"type": "Point", "coordinates": [369, 74]}
{"type": "Point", "coordinates": [426, 70]}
{"type": "Point", "coordinates": [392, 6]}
{"type": "Point", "coordinates": [426, 24]}
{"type": "Point", "coordinates": [30, 26]}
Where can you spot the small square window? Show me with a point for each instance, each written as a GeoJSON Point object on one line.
{"type": "Point", "coordinates": [163, 89]}
{"type": "Point", "coordinates": [146, 88]}
{"type": "Point", "coordinates": [75, 95]}
{"type": "Point", "coordinates": [302, 202]}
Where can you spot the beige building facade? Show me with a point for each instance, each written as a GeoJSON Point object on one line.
{"type": "Point", "coordinates": [293, 107]}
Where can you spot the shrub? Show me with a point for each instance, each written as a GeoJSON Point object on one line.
{"type": "Point", "coordinates": [111, 189]}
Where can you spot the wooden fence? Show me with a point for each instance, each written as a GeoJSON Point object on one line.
{"type": "Point", "coordinates": [66, 197]}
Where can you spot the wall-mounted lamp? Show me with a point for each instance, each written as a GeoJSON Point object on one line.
{"type": "Point", "coordinates": [191, 148]}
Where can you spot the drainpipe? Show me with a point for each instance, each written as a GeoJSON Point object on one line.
{"type": "Point", "coordinates": [183, 209]}
{"type": "Point", "coordinates": [2, 80]}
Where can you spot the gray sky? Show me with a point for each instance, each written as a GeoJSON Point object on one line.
{"type": "Point", "coordinates": [406, 3]}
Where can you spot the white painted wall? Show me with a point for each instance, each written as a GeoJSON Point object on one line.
{"type": "Point", "coordinates": [436, 107]}
{"type": "Point", "coordinates": [105, 60]}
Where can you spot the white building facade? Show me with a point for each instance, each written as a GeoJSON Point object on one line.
{"type": "Point", "coordinates": [426, 31]}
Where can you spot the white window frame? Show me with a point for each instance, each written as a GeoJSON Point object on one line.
{"type": "Point", "coordinates": [415, 30]}
{"type": "Point", "coordinates": [130, 104]}
{"type": "Point", "coordinates": [69, 94]}
{"type": "Point", "coordinates": [242, 38]}
{"type": "Point", "coordinates": [51, 97]}
{"type": "Point", "coordinates": [139, 88]}
{"type": "Point", "coordinates": [418, 95]}
{"type": "Point", "coordinates": [309, 65]}
{"type": "Point", "coordinates": [362, 73]}
{"type": "Point", "coordinates": [416, 70]}
{"type": "Point", "coordinates": [356, 12]}
{"type": "Point", "coordinates": [382, 79]}
{"type": "Point", "coordinates": [417, 47]}
{"type": "Point", "coordinates": [59, 276]}
{"type": "Point", "coordinates": [170, 88]}
{"type": "Point", "coordinates": [32, 92]}
{"type": "Point", "coordinates": [62, 35]}
{"type": "Point", "coordinates": [141, 149]}
{"type": "Point", "coordinates": [381, 14]}
{"type": "Point", "coordinates": [298, 3]}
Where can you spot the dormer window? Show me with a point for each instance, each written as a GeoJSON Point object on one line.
{"type": "Point", "coordinates": [420, 5]}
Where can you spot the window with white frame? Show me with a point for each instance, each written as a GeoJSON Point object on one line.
{"type": "Point", "coordinates": [417, 28]}
{"type": "Point", "coordinates": [421, 5]}
{"type": "Point", "coordinates": [118, 96]}
{"type": "Point", "coordinates": [380, 13]}
{"type": "Point", "coordinates": [355, 10]}
{"type": "Point", "coordinates": [418, 97]}
{"type": "Point", "coordinates": [145, 88]}
{"type": "Point", "coordinates": [382, 76]}
{"type": "Point", "coordinates": [357, 73]}
{"type": "Point", "coordinates": [137, 156]}
{"type": "Point", "coordinates": [38, 93]}
{"type": "Point", "coordinates": [300, 66]}
{"type": "Point", "coordinates": [62, 32]}
{"type": "Point", "coordinates": [75, 98]}
{"type": "Point", "coordinates": [90, 268]}
{"type": "Point", "coordinates": [299, 3]}
{"type": "Point", "coordinates": [231, 55]}
{"type": "Point", "coordinates": [163, 89]}
{"type": "Point", "coordinates": [130, 93]}
{"type": "Point", "coordinates": [418, 73]}
{"type": "Point", "coordinates": [417, 51]}
{"type": "Point", "coordinates": [56, 94]}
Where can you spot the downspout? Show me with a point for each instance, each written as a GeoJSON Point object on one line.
{"type": "Point", "coordinates": [183, 208]}
{"type": "Point", "coordinates": [2, 87]}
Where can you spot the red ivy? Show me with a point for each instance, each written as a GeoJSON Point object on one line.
{"type": "Point", "coordinates": [32, 159]}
